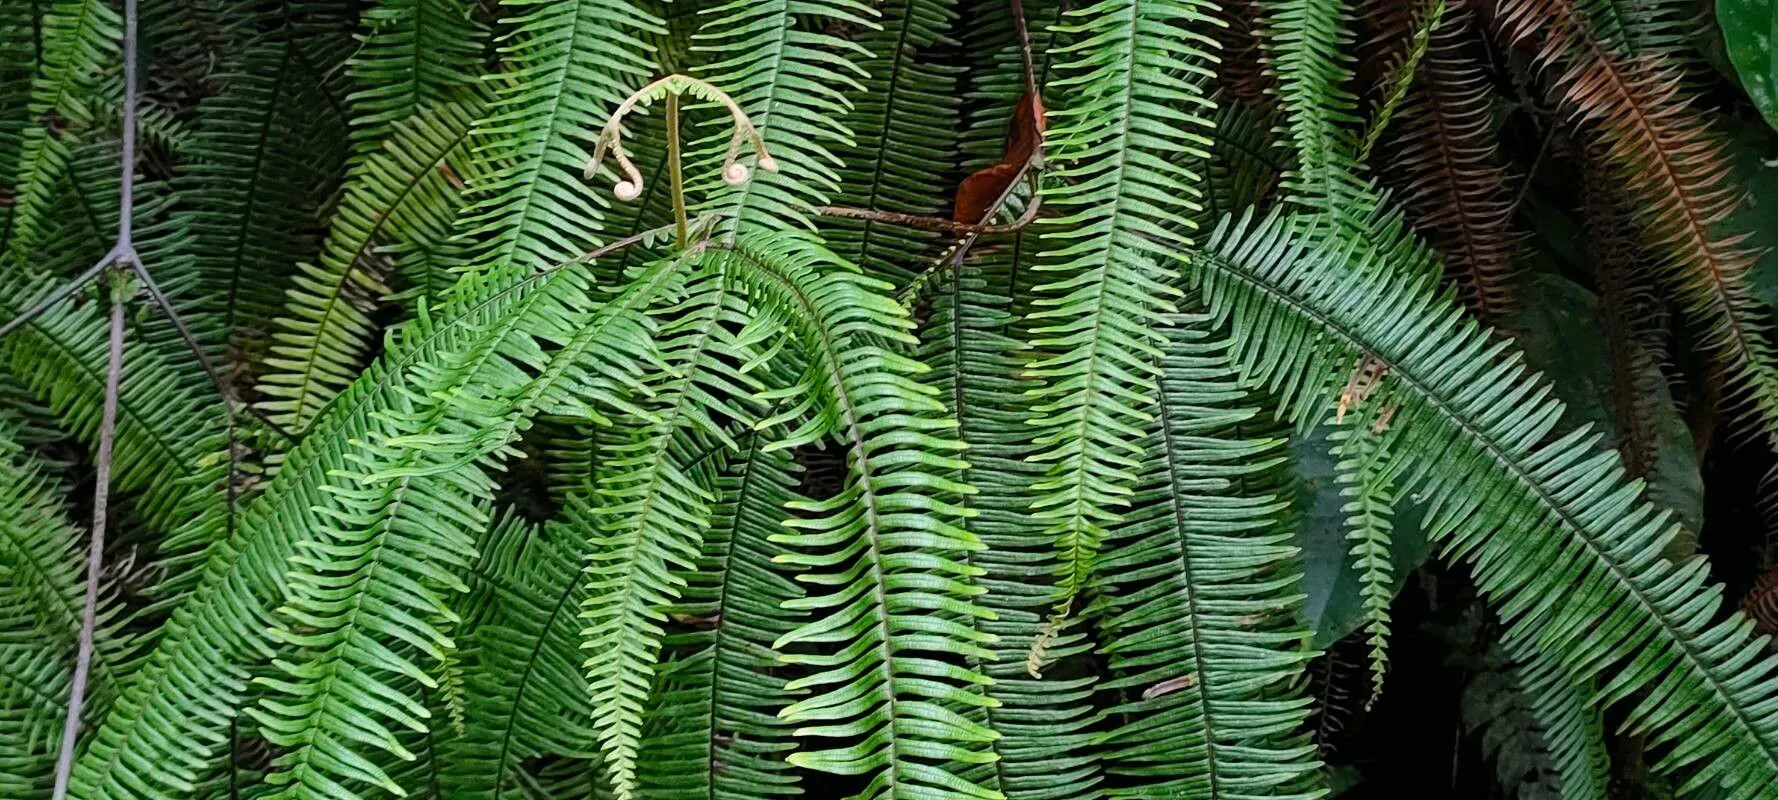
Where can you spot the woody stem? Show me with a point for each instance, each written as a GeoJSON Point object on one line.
{"type": "Point", "coordinates": [675, 172]}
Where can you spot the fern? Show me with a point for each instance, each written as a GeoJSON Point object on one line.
{"type": "Point", "coordinates": [78, 38]}
{"type": "Point", "coordinates": [526, 693]}
{"type": "Point", "coordinates": [1094, 323]}
{"type": "Point", "coordinates": [647, 515]}
{"type": "Point", "coordinates": [1043, 721]}
{"type": "Point", "coordinates": [1636, 107]}
{"type": "Point", "coordinates": [1200, 632]}
{"type": "Point", "coordinates": [903, 122]}
{"type": "Point", "coordinates": [397, 490]}
{"type": "Point", "coordinates": [1453, 189]}
{"type": "Point", "coordinates": [577, 60]}
{"type": "Point", "coordinates": [269, 151]}
{"type": "Point", "coordinates": [40, 590]}
{"type": "Point", "coordinates": [899, 600]}
{"type": "Point", "coordinates": [1496, 490]}
{"type": "Point", "coordinates": [792, 79]}
{"type": "Point", "coordinates": [165, 433]}
{"type": "Point", "coordinates": [1364, 470]}
{"type": "Point", "coordinates": [712, 728]}
{"type": "Point", "coordinates": [417, 55]}
{"type": "Point", "coordinates": [402, 196]}
{"type": "Point", "coordinates": [220, 625]}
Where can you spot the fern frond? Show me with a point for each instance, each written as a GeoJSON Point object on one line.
{"type": "Point", "coordinates": [1635, 321]}
{"type": "Point", "coordinates": [1308, 45]}
{"type": "Point", "coordinates": [408, 500]}
{"type": "Point", "coordinates": [899, 603]}
{"type": "Point", "coordinates": [1244, 163]}
{"type": "Point", "coordinates": [267, 151]}
{"type": "Point", "coordinates": [1556, 538]}
{"type": "Point", "coordinates": [775, 58]}
{"type": "Point", "coordinates": [646, 517]}
{"type": "Point", "coordinates": [1367, 477]}
{"type": "Point", "coordinates": [1570, 727]}
{"type": "Point", "coordinates": [578, 60]}
{"type": "Point", "coordinates": [1452, 185]}
{"type": "Point", "coordinates": [416, 55]}
{"type": "Point", "coordinates": [527, 695]}
{"type": "Point", "coordinates": [1200, 628]}
{"type": "Point", "coordinates": [403, 195]}
{"type": "Point", "coordinates": [1638, 109]}
{"type": "Point", "coordinates": [1401, 76]}
{"type": "Point", "coordinates": [167, 429]}
{"type": "Point", "coordinates": [41, 595]}
{"type": "Point", "coordinates": [1045, 744]}
{"type": "Point", "coordinates": [79, 40]}
{"type": "Point", "coordinates": [712, 728]}
{"type": "Point", "coordinates": [163, 735]}
{"type": "Point", "coordinates": [19, 51]}
{"type": "Point", "coordinates": [1134, 69]}
{"type": "Point", "coordinates": [904, 140]}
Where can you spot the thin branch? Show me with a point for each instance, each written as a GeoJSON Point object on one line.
{"type": "Point", "coordinates": [124, 248]}
{"type": "Point", "coordinates": [954, 259]}
{"type": "Point", "coordinates": [160, 299]}
{"type": "Point", "coordinates": [60, 294]}
{"type": "Point", "coordinates": [940, 223]}
{"type": "Point", "coordinates": [95, 557]}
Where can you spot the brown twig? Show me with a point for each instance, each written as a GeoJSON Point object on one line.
{"type": "Point", "coordinates": [36, 310]}
{"type": "Point", "coordinates": [124, 248]}
{"type": "Point", "coordinates": [95, 557]}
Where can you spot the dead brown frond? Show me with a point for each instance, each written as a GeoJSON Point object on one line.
{"type": "Point", "coordinates": [1761, 602]}
{"type": "Point", "coordinates": [1637, 113]}
{"type": "Point", "coordinates": [1242, 72]}
{"type": "Point", "coordinates": [1452, 185]}
{"type": "Point", "coordinates": [1633, 318]}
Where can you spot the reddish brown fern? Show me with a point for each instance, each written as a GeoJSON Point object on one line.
{"type": "Point", "coordinates": [1242, 73]}
{"type": "Point", "coordinates": [1452, 186]}
{"type": "Point", "coordinates": [1631, 315]}
{"type": "Point", "coordinates": [1761, 602]}
{"type": "Point", "coordinates": [1662, 151]}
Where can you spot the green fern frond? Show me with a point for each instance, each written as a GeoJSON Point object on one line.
{"type": "Point", "coordinates": [79, 40]}
{"type": "Point", "coordinates": [1366, 474]}
{"type": "Point", "coordinates": [405, 195]}
{"type": "Point", "coordinates": [904, 140]}
{"type": "Point", "coordinates": [793, 78]}
{"type": "Point", "coordinates": [1200, 585]}
{"type": "Point", "coordinates": [578, 60]}
{"type": "Point", "coordinates": [267, 151]}
{"type": "Point", "coordinates": [191, 683]}
{"type": "Point", "coordinates": [408, 500]}
{"type": "Point", "coordinates": [19, 50]}
{"type": "Point", "coordinates": [166, 426]}
{"type": "Point", "coordinates": [646, 517]}
{"type": "Point", "coordinates": [898, 601]}
{"type": "Point", "coordinates": [652, 510]}
{"type": "Point", "coordinates": [712, 729]}
{"type": "Point", "coordinates": [416, 55]}
{"type": "Point", "coordinates": [527, 695]}
{"type": "Point", "coordinates": [1244, 163]}
{"type": "Point", "coordinates": [41, 595]}
{"type": "Point", "coordinates": [1570, 727]}
{"type": "Point", "coordinates": [1133, 72]}
{"type": "Point", "coordinates": [1307, 44]}
{"type": "Point", "coordinates": [1558, 542]}
{"type": "Point", "coordinates": [1401, 77]}
{"type": "Point", "coordinates": [1046, 744]}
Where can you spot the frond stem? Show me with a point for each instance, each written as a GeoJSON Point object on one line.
{"type": "Point", "coordinates": [675, 171]}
